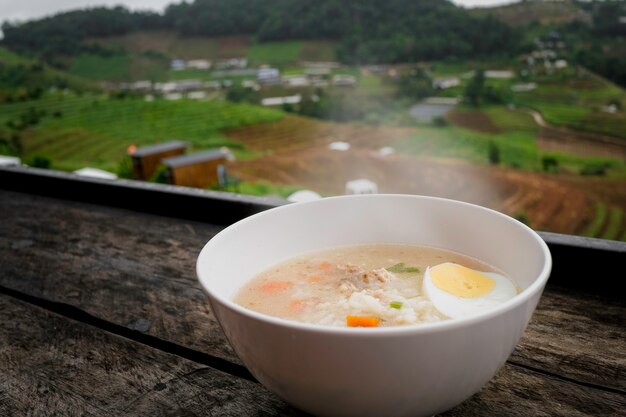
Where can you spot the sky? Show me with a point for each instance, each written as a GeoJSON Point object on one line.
{"type": "Point", "coordinates": [28, 9]}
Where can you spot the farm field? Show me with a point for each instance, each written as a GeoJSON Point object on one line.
{"type": "Point", "coordinates": [146, 55]}
{"type": "Point", "coordinates": [279, 152]}
{"type": "Point", "coordinates": [428, 161]}
{"type": "Point", "coordinates": [578, 100]}
{"type": "Point", "coordinates": [40, 74]}
{"type": "Point", "coordinates": [94, 130]}
{"type": "Point", "coordinates": [168, 43]}
{"type": "Point", "coordinates": [527, 12]}
{"type": "Point", "coordinates": [524, 155]}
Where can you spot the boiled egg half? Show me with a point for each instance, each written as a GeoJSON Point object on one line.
{"type": "Point", "coordinates": [457, 291]}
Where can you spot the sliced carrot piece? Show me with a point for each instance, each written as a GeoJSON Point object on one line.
{"type": "Point", "coordinates": [315, 279]}
{"type": "Point", "coordinates": [360, 321]}
{"type": "Point", "coordinates": [325, 266]}
{"type": "Point", "coordinates": [296, 306]}
{"type": "Point", "coordinates": [276, 286]}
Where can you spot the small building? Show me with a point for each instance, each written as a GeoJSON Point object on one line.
{"type": "Point", "coordinates": [296, 81]}
{"type": "Point", "coordinates": [250, 84]}
{"type": "Point", "coordinates": [199, 64]}
{"type": "Point", "coordinates": [197, 95]}
{"type": "Point", "coordinates": [95, 173]}
{"type": "Point", "coordinates": [317, 71]}
{"type": "Point", "coordinates": [173, 96]}
{"type": "Point", "coordinates": [147, 158]}
{"type": "Point", "coordinates": [143, 85]}
{"type": "Point", "coordinates": [344, 80]}
{"type": "Point", "coordinates": [499, 74]}
{"type": "Point", "coordinates": [523, 87]}
{"type": "Point", "coordinates": [215, 85]}
{"type": "Point", "coordinates": [232, 63]}
{"type": "Point", "coordinates": [277, 101]}
{"type": "Point", "coordinates": [177, 64]}
{"type": "Point", "coordinates": [202, 169]}
{"type": "Point", "coordinates": [268, 76]}
{"type": "Point", "coordinates": [445, 83]}
{"type": "Point", "coordinates": [560, 64]}
{"type": "Point", "coordinates": [167, 87]}
{"type": "Point", "coordinates": [188, 85]}
{"type": "Point", "coordinates": [361, 186]}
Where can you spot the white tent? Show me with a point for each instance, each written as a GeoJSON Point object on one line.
{"type": "Point", "coordinates": [303, 195]}
{"type": "Point", "coordinates": [361, 186]}
{"type": "Point", "coordinates": [10, 161]}
{"type": "Point", "coordinates": [385, 151]}
{"type": "Point", "coordinates": [339, 146]}
{"type": "Point", "coordinates": [95, 173]}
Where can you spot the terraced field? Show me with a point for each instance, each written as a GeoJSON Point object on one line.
{"type": "Point", "coordinates": [296, 152]}
{"type": "Point", "coordinates": [296, 132]}
{"type": "Point", "coordinates": [578, 99]}
{"type": "Point", "coordinates": [94, 130]}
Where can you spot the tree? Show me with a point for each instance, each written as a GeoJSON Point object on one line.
{"type": "Point", "coordinates": [493, 153]}
{"type": "Point", "coordinates": [475, 88]}
{"type": "Point", "coordinates": [416, 85]}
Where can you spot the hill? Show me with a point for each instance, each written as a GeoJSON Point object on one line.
{"type": "Point", "coordinates": [95, 130]}
{"type": "Point", "coordinates": [368, 31]}
{"type": "Point", "coordinates": [24, 78]}
{"type": "Point", "coordinates": [537, 11]}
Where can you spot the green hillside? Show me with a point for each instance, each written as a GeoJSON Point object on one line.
{"type": "Point", "coordinates": [22, 77]}
{"type": "Point", "coordinates": [94, 130]}
{"type": "Point", "coordinates": [529, 11]}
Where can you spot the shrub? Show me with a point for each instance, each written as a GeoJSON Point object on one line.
{"type": "Point", "coordinates": [594, 169]}
{"type": "Point", "coordinates": [522, 217]}
{"type": "Point", "coordinates": [440, 121]}
{"type": "Point", "coordinates": [161, 175]}
{"type": "Point", "coordinates": [493, 153]}
{"type": "Point", "coordinates": [550, 164]}
{"type": "Point", "coordinates": [125, 168]}
{"type": "Point", "coordinates": [39, 161]}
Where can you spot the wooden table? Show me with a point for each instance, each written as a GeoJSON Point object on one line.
{"type": "Point", "coordinates": [101, 314]}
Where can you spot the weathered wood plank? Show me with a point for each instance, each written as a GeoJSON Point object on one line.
{"type": "Point", "coordinates": [129, 268]}
{"type": "Point", "coordinates": [137, 270]}
{"type": "Point", "coordinates": [517, 392]}
{"type": "Point", "coordinates": [51, 365]}
{"type": "Point", "coordinates": [579, 336]}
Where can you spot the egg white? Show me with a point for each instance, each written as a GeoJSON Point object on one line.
{"type": "Point", "coordinates": [456, 307]}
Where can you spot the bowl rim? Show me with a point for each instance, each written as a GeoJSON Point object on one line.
{"type": "Point", "coordinates": [419, 328]}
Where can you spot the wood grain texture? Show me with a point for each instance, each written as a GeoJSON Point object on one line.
{"type": "Point", "coordinates": [129, 268]}
{"type": "Point", "coordinates": [137, 270]}
{"type": "Point", "coordinates": [579, 336]}
{"type": "Point", "coordinates": [50, 365]}
{"type": "Point", "coordinates": [518, 392]}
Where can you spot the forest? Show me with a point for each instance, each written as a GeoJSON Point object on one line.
{"type": "Point", "coordinates": [369, 31]}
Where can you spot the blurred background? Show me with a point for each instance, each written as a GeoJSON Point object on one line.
{"type": "Point", "coordinates": [518, 105]}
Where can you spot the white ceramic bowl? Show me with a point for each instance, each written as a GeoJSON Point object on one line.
{"type": "Point", "coordinates": [414, 370]}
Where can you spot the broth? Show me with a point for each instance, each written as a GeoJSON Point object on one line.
{"type": "Point", "coordinates": [382, 283]}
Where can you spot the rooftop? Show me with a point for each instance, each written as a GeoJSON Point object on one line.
{"type": "Point", "coordinates": [160, 147]}
{"type": "Point", "coordinates": [177, 161]}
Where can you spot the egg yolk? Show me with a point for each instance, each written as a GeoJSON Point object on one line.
{"type": "Point", "coordinates": [461, 281]}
